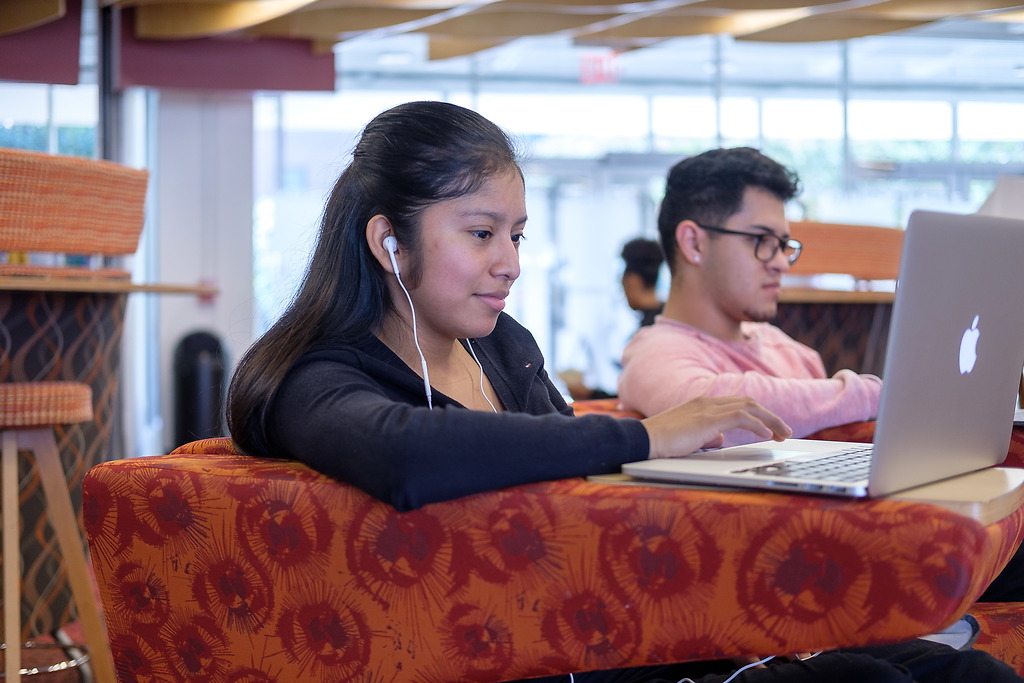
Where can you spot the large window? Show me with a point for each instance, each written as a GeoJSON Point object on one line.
{"type": "Point", "coordinates": [49, 118]}
{"type": "Point", "coordinates": [991, 132]}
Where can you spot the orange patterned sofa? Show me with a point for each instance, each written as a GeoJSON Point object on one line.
{"type": "Point", "coordinates": [1002, 624]}
{"type": "Point", "coordinates": [213, 566]}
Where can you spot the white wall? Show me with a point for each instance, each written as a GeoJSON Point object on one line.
{"type": "Point", "coordinates": [202, 175]}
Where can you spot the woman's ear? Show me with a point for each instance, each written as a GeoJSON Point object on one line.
{"type": "Point", "coordinates": [377, 228]}
{"type": "Point", "coordinates": [690, 241]}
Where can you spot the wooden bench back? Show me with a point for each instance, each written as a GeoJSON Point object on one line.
{"type": "Point", "coordinates": [864, 251]}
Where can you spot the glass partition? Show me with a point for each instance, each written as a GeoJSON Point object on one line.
{"type": "Point", "coordinates": [868, 150]}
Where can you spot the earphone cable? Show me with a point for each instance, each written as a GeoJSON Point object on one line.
{"type": "Point", "coordinates": [416, 341]}
{"type": "Point", "coordinates": [473, 353]}
{"type": "Point", "coordinates": [748, 666]}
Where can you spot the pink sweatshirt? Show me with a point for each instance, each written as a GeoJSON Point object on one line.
{"type": "Point", "coordinates": [669, 362]}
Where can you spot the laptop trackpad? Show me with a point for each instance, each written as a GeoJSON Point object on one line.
{"type": "Point", "coordinates": [746, 453]}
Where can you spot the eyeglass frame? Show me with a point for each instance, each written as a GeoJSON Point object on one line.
{"type": "Point", "coordinates": [781, 243]}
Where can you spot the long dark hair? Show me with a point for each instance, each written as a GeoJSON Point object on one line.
{"type": "Point", "coordinates": [407, 158]}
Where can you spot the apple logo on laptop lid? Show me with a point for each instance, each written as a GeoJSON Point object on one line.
{"type": "Point", "coordinates": [969, 347]}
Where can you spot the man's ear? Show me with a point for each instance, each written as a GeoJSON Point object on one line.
{"type": "Point", "coordinates": [690, 241]}
{"type": "Point", "coordinates": [377, 228]}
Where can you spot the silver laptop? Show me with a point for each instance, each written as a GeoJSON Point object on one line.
{"type": "Point", "coordinates": [952, 370]}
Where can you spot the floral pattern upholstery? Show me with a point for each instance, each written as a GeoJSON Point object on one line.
{"type": "Point", "coordinates": [214, 566]}
{"type": "Point", "coordinates": [606, 406]}
{"type": "Point", "coordinates": [1002, 631]}
{"type": "Point", "coordinates": [1002, 624]}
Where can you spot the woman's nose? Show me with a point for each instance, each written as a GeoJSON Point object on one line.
{"type": "Point", "coordinates": [506, 263]}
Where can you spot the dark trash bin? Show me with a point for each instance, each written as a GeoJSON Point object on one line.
{"type": "Point", "coordinates": [199, 370]}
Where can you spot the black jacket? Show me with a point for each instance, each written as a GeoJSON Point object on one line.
{"type": "Point", "coordinates": [359, 414]}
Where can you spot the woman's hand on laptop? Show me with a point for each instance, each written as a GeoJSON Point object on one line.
{"type": "Point", "coordinates": [700, 423]}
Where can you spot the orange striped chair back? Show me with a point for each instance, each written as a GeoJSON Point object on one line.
{"type": "Point", "coordinates": [81, 211]}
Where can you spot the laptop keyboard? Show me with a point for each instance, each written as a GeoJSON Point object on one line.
{"type": "Point", "coordinates": [849, 464]}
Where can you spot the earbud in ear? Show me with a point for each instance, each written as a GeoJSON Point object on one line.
{"type": "Point", "coordinates": [391, 246]}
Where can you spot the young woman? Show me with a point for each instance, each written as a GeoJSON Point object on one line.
{"type": "Point", "coordinates": [395, 369]}
{"type": "Point", "coordinates": [402, 375]}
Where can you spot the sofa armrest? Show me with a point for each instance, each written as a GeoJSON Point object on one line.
{"type": "Point", "coordinates": [216, 564]}
{"type": "Point", "coordinates": [603, 406]}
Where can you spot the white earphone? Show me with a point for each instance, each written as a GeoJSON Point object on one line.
{"type": "Point", "coordinates": [390, 244]}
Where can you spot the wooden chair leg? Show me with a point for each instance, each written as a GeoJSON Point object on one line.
{"type": "Point", "coordinates": [12, 557]}
{"type": "Point", "coordinates": [65, 526]}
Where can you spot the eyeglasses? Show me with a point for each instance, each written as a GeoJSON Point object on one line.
{"type": "Point", "coordinates": [766, 244]}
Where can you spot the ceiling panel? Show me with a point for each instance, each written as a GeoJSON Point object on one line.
{"type": "Point", "coordinates": [633, 24]}
{"type": "Point", "coordinates": [955, 43]}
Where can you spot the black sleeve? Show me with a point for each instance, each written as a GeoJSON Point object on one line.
{"type": "Point", "coordinates": [343, 423]}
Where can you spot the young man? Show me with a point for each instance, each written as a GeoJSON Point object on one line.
{"type": "Point", "coordinates": [725, 236]}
